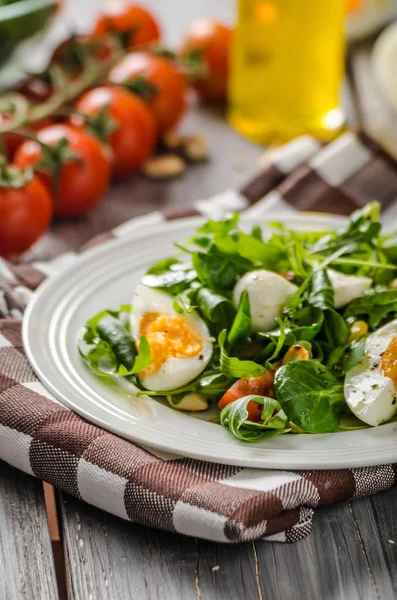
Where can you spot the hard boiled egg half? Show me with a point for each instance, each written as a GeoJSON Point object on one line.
{"type": "Point", "coordinates": [371, 386]}
{"type": "Point", "coordinates": [180, 344]}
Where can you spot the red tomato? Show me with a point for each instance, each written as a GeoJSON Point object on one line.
{"type": "Point", "coordinates": [25, 215]}
{"type": "Point", "coordinates": [82, 181]}
{"type": "Point", "coordinates": [257, 386]}
{"type": "Point", "coordinates": [12, 141]}
{"type": "Point", "coordinates": [212, 40]}
{"type": "Point", "coordinates": [66, 54]}
{"type": "Point", "coordinates": [35, 88]}
{"type": "Point", "coordinates": [119, 16]}
{"type": "Point", "coordinates": [133, 140]}
{"type": "Point", "coordinates": [162, 80]}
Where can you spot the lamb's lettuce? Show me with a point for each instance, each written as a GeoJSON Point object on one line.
{"type": "Point", "coordinates": [310, 396]}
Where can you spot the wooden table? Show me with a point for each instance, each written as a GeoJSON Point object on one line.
{"type": "Point", "coordinates": [352, 551]}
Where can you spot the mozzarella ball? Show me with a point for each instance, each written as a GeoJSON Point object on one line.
{"type": "Point", "coordinates": [268, 294]}
{"type": "Point", "coordinates": [347, 287]}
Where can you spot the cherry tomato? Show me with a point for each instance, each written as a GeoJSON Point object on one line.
{"type": "Point", "coordinates": [159, 80]}
{"type": "Point", "coordinates": [82, 180]}
{"type": "Point", "coordinates": [12, 141]}
{"type": "Point", "coordinates": [119, 16]}
{"type": "Point", "coordinates": [67, 53]}
{"type": "Point", "coordinates": [211, 40]}
{"type": "Point", "coordinates": [133, 139]}
{"type": "Point", "coordinates": [35, 88]}
{"type": "Point", "coordinates": [257, 386]}
{"type": "Point", "coordinates": [25, 215]}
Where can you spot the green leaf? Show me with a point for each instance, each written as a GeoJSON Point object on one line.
{"type": "Point", "coordinates": [310, 396]}
{"type": "Point", "coordinates": [234, 367]}
{"type": "Point", "coordinates": [389, 247]}
{"type": "Point", "coordinates": [107, 347]}
{"type": "Point", "coordinates": [247, 246]}
{"type": "Point", "coordinates": [336, 329]}
{"type": "Point", "coordinates": [214, 272]}
{"type": "Point", "coordinates": [171, 282]}
{"type": "Point", "coordinates": [363, 227]}
{"type": "Point", "coordinates": [376, 307]}
{"type": "Point", "coordinates": [143, 359]}
{"type": "Point", "coordinates": [321, 293]}
{"type": "Point", "coordinates": [119, 339]}
{"type": "Point", "coordinates": [100, 358]}
{"type": "Point", "coordinates": [235, 418]}
{"type": "Point", "coordinates": [215, 308]}
{"type": "Point", "coordinates": [354, 353]}
{"type": "Point", "coordinates": [241, 327]}
{"type": "Point", "coordinates": [162, 266]}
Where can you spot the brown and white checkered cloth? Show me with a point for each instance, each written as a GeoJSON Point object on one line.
{"type": "Point", "coordinates": [222, 503]}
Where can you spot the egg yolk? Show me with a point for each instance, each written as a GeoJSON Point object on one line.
{"type": "Point", "coordinates": [169, 336]}
{"type": "Point", "coordinates": [388, 361]}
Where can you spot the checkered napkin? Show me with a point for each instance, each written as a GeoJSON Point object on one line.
{"type": "Point", "coordinates": [222, 503]}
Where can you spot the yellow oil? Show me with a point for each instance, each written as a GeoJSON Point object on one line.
{"type": "Point", "coordinates": [287, 69]}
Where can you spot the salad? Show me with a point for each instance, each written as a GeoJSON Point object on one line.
{"type": "Point", "coordinates": [285, 332]}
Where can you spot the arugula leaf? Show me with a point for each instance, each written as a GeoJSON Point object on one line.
{"type": "Point", "coordinates": [234, 367]}
{"type": "Point", "coordinates": [363, 226]}
{"type": "Point", "coordinates": [217, 309]}
{"type": "Point", "coordinates": [247, 246]}
{"type": "Point", "coordinates": [215, 272]}
{"type": "Point", "coordinates": [389, 247]}
{"type": "Point", "coordinates": [241, 327]}
{"type": "Point", "coordinates": [377, 306]}
{"type": "Point", "coordinates": [213, 384]}
{"type": "Point", "coordinates": [171, 282]}
{"type": "Point", "coordinates": [310, 396]}
{"type": "Point", "coordinates": [235, 418]}
{"type": "Point", "coordinates": [222, 227]}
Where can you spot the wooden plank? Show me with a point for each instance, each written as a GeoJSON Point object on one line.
{"type": "Point", "coordinates": [327, 564]}
{"type": "Point", "coordinates": [376, 117]}
{"type": "Point", "coordinates": [108, 558]}
{"type": "Point", "coordinates": [376, 528]}
{"type": "Point", "coordinates": [26, 560]}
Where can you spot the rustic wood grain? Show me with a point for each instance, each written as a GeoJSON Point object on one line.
{"type": "Point", "coordinates": [347, 557]}
{"type": "Point", "coordinates": [376, 527]}
{"type": "Point", "coordinates": [26, 562]}
{"type": "Point", "coordinates": [109, 559]}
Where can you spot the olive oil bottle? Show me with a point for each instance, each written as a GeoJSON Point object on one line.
{"type": "Point", "coordinates": [287, 69]}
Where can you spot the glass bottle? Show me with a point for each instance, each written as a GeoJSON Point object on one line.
{"type": "Point", "coordinates": [287, 69]}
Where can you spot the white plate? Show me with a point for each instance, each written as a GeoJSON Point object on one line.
{"type": "Point", "coordinates": [105, 278]}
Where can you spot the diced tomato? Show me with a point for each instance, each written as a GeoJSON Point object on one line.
{"type": "Point", "coordinates": [250, 386]}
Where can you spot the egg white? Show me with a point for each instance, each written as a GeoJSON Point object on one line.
{"type": "Point", "coordinates": [174, 372]}
{"type": "Point", "coordinates": [268, 294]}
{"type": "Point", "coordinates": [372, 396]}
